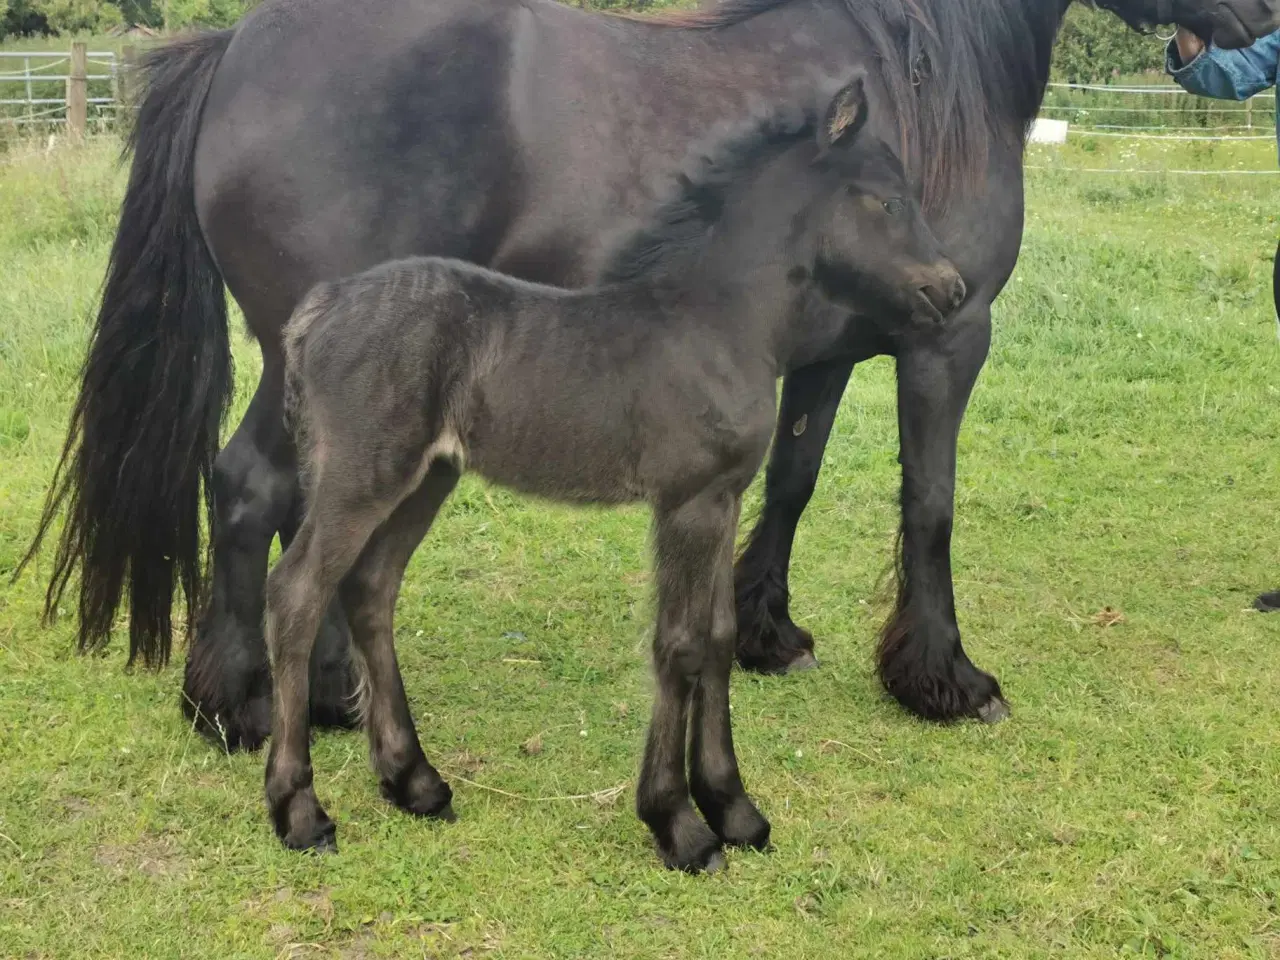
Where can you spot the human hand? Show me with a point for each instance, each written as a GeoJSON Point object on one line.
{"type": "Point", "coordinates": [1230, 24]}
{"type": "Point", "coordinates": [1189, 45]}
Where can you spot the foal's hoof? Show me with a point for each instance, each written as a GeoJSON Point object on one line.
{"type": "Point", "coordinates": [993, 711]}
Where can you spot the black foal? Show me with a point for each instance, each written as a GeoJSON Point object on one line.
{"type": "Point", "coordinates": [656, 386]}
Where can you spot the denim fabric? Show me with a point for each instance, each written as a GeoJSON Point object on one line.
{"type": "Point", "coordinates": [1228, 74]}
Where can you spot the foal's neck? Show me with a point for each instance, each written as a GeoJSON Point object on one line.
{"type": "Point", "coordinates": [759, 297]}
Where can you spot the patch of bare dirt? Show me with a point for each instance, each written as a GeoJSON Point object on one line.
{"type": "Point", "coordinates": [151, 856]}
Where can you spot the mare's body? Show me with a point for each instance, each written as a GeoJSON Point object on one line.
{"type": "Point", "coordinates": [322, 137]}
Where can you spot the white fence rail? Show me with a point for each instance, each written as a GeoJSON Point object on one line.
{"type": "Point", "coordinates": [1152, 112]}
{"type": "Point", "coordinates": [1145, 112]}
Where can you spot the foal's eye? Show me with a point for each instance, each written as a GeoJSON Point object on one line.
{"type": "Point", "coordinates": [894, 206]}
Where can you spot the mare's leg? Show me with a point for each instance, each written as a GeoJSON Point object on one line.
{"type": "Point", "coordinates": [714, 777]}
{"type": "Point", "coordinates": [689, 540]}
{"type": "Point", "coordinates": [768, 640]}
{"type": "Point", "coordinates": [227, 688]}
{"type": "Point", "coordinates": [1270, 602]}
{"type": "Point", "coordinates": [340, 522]}
{"type": "Point", "coordinates": [921, 661]}
{"type": "Point", "coordinates": [369, 595]}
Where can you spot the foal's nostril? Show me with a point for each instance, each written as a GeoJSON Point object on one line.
{"type": "Point", "coordinates": [958, 292]}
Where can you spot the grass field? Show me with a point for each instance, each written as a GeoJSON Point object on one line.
{"type": "Point", "coordinates": [1122, 451]}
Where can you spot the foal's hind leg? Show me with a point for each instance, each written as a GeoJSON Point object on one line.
{"type": "Point", "coordinates": [713, 768]}
{"type": "Point", "coordinates": [333, 675]}
{"type": "Point", "coordinates": [689, 542]}
{"type": "Point", "coordinates": [299, 589]}
{"type": "Point", "coordinates": [369, 595]}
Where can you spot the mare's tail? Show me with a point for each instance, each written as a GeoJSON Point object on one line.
{"type": "Point", "coordinates": [138, 458]}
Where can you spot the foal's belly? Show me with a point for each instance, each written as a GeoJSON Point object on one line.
{"type": "Point", "coordinates": [662, 424]}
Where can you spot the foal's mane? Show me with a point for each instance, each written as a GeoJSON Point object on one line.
{"type": "Point", "coordinates": [959, 73]}
{"type": "Point", "coordinates": [680, 224]}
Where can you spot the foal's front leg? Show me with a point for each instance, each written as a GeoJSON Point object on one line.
{"type": "Point", "coordinates": [713, 768]}
{"type": "Point", "coordinates": [689, 543]}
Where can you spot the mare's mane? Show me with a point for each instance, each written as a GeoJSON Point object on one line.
{"type": "Point", "coordinates": [680, 224]}
{"type": "Point", "coordinates": [959, 74]}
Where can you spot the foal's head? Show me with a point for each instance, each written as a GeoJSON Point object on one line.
{"type": "Point", "coordinates": [872, 250]}
{"type": "Point", "coordinates": [816, 188]}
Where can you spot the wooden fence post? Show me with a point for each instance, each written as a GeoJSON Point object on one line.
{"type": "Point", "coordinates": [125, 73]}
{"type": "Point", "coordinates": [78, 92]}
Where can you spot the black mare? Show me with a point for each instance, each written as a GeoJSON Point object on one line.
{"type": "Point", "coordinates": [321, 137]}
{"type": "Point", "coordinates": [1270, 602]}
{"type": "Point", "coordinates": [657, 385]}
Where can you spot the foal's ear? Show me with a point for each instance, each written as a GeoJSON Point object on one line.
{"type": "Point", "coordinates": [846, 114]}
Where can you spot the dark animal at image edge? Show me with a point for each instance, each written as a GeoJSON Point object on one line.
{"type": "Point", "coordinates": [657, 386]}
{"type": "Point", "coordinates": [320, 138]}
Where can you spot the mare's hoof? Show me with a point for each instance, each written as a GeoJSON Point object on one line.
{"type": "Point", "coordinates": [230, 706]}
{"type": "Point", "coordinates": [1268, 602]}
{"type": "Point", "coordinates": [299, 820]}
{"type": "Point", "coordinates": [421, 792]}
{"type": "Point", "coordinates": [335, 685]}
{"type": "Point", "coordinates": [993, 711]}
{"type": "Point", "coordinates": [245, 728]}
{"type": "Point", "coordinates": [941, 692]}
{"type": "Point", "coordinates": [691, 845]}
{"type": "Point", "coordinates": [742, 825]}
{"type": "Point", "coordinates": [769, 641]}
{"type": "Point", "coordinates": [446, 814]}
{"type": "Point", "coordinates": [803, 662]}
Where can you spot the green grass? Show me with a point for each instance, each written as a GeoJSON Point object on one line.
{"type": "Point", "coordinates": [1122, 450]}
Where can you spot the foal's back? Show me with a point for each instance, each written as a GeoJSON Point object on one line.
{"type": "Point", "coordinates": [607, 395]}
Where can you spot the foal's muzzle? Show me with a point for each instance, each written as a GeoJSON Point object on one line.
{"type": "Point", "coordinates": [943, 294]}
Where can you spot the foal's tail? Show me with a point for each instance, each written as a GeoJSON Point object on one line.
{"type": "Point", "coordinates": [312, 307]}
{"type": "Point", "coordinates": [138, 458]}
